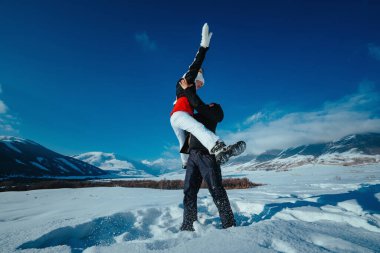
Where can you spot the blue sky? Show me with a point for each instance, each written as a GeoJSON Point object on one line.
{"type": "Point", "coordinates": [79, 76]}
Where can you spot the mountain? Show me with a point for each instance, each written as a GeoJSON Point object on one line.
{"type": "Point", "coordinates": [118, 165]}
{"type": "Point", "coordinates": [354, 149]}
{"type": "Point", "coordinates": [25, 158]}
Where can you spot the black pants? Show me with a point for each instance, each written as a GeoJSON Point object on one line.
{"type": "Point", "coordinates": [203, 165]}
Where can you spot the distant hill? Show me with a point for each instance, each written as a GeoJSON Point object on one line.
{"type": "Point", "coordinates": [117, 165]}
{"type": "Point", "coordinates": [356, 149]}
{"type": "Point", "coordinates": [25, 158]}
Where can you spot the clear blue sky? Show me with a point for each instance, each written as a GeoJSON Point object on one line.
{"type": "Point", "coordinates": [80, 76]}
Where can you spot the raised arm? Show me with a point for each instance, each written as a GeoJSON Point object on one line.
{"type": "Point", "coordinates": [196, 65]}
{"type": "Point", "coordinates": [186, 85]}
{"type": "Point", "coordinates": [192, 73]}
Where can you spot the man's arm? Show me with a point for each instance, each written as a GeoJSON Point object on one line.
{"type": "Point", "coordinates": [194, 100]}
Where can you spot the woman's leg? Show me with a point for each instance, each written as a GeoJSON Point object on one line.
{"type": "Point", "coordinates": [184, 121]}
{"type": "Point", "coordinates": [181, 136]}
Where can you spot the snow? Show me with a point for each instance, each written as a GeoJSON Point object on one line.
{"type": "Point", "coordinates": [40, 159]}
{"type": "Point", "coordinates": [348, 157]}
{"type": "Point", "coordinates": [164, 164]}
{"type": "Point", "coordinates": [62, 168]}
{"type": "Point", "coordinates": [313, 208]}
{"type": "Point", "coordinates": [11, 146]}
{"type": "Point", "coordinates": [122, 167]}
{"type": "Point", "coordinates": [105, 161]}
{"type": "Point", "coordinates": [336, 244]}
{"type": "Point", "coordinates": [39, 166]}
{"type": "Point", "coordinates": [8, 139]}
{"type": "Point", "coordinates": [70, 165]}
{"type": "Point", "coordinates": [18, 161]}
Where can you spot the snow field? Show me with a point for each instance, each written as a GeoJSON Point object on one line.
{"type": "Point", "coordinates": [301, 210]}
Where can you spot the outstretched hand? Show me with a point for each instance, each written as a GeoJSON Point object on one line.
{"type": "Point", "coordinates": [206, 36]}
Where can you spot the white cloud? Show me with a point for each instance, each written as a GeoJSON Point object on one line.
{"type": "Point", "coordinates": [167, 163]}
{"type": "Point", "coordinates": [8, 125]}
{"type": "Point", "coordinates": [8, 122]}
{"type": "Point", "coordinates": [374, 51]}
{"type": "Point", "coordinates": [144, 40]}
{"type": "Point", "coordinates": [356, 113]}
{"type": "Point", "coordinates": [3, 107]}
{"type": "Point", "coordinates": [253, 118]}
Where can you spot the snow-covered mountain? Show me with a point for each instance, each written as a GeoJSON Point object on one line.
{"type": "Point", "coordinates": [354, 149]}
{"type": "Point", "coordinates": [118, 165]}
{"type": "Point", "coordinates": [20, 157]}
{"type": "Point", "coordinates": [25, 158]}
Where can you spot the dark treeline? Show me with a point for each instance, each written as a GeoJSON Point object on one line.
{"type": "Point", "coordinates": [34, 184]}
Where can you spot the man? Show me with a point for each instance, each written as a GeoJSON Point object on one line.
{"type": "Point", "coordinates": [202, 165]}
{"type": "Point", "coordinates": [181, 116]}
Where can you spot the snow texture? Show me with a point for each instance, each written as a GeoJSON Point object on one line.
{"type": "Point", "coordinates": [105, 161]}
{"type": "Point", "coordinates": [309, 209]}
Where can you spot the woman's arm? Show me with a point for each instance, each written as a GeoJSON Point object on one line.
{"type": "Point", "coordinates": [196, 65]}
{"type": "Point", "coordinates": [194, 68]}
{"type": "Point", "coordinates": [185, 86]}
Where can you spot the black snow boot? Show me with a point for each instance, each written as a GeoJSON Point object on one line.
{"type": "Point", "coordinates": [232, 150]}
{"type": "Point", "coordinates": [219, 147]}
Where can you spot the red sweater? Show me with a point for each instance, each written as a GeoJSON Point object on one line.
{"type": "Point", "coordinates": [182, 105]}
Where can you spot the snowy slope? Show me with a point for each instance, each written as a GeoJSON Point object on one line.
{"type": "Point", "coordinates": [20, 157]}
{"type": "Point", "coordinates": [319, 209]}
{"type": "Point", "coordinates": [355, 149]}
{"type": "Point", "coordinates": [116, 165]}
{"type": "Point", "coordinates": [121, 166]}
{"type": "Point", "coordinates": [124, 167]}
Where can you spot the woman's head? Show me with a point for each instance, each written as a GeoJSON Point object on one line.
{"type": "Point", "coordinates": [199, 80]}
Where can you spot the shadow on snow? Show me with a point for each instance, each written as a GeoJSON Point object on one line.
{"type": "Point", "coordinates": [365, 196]}
{"type": "Point", "coordinates": [101, 231]}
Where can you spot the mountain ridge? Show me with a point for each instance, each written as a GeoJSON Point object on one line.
{"type": "Point", "coordinates": [25, 158]}
{"type": "Point", "coordinates": [354, 149]}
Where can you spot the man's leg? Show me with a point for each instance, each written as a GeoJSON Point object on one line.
{"type": "Point", "coordinates": [193, 181]}
{"type": "Point", "coordinates": [211, 173]}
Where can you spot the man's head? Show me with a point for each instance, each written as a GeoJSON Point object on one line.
{"type": "Point", "coordinates": [215, 112]}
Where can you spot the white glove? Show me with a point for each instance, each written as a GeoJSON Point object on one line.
{"type": "Point", "coordinates": [206, 36]}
